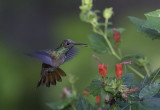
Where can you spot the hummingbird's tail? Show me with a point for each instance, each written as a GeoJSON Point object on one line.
{"type": "Point", "coordinates": [50, 74]}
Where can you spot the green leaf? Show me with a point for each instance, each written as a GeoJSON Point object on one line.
{"type": "Point", "coordinates": [155, 76]}
{"type": "Point", "coordinates": [95, 87]}
{"type": "Point", "coordinates": [64, 103]}
{"type": "Point", "coordinates": [138, 22]}
{"type": "Point", "coordinates": [98, 43]}
{"type": "Point", "coordinates": [153, 16]}
{"type": "Point", "coordinates": [149, 91]}
{"type": "Point", "coordinates": [147, 104]}
{"type": "Point", "coordinates": [152, 103]}
{"type": "Point", "coordinates": [128, 79]}
{"type": "Point", "coordinates": [110, 89]}
{"type": "Point", "coordinates": [83, 104]}
{"type": "Point", "coordinates": [142, 61]}
{"type": "Point", "coordinates": [102, 98]}
{"type": "Point", "coordinates": [53, 106]}
{"type": "Point", "coordinates": [153, 25]}
{"type": "Point", "coordinates": [153, 20]}
{"type": "Point", "coordinates": [121, 30]}
{"type": "Point", "coordinates": [145, 27]}
{"type": "Point", "coordinates": [132, 56]}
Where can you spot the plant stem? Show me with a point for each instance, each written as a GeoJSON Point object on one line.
{"type": "Point", "coordinates": [73, 107]}
{"type": "Point", "coordinates": [125, 69]}
{"type": "Point", "coordinates": [120, 53]}
{"type": "Point", "coordinates": [125, 107]}
{"type": "Point", "coordinates": [111, 48]}
{"type": "Point", "coordinates": [155, 75]}
{"type": "Point", "coordinates": [130, 102]}
{"type": "Point", "coordinates": [99, 31]}
{"type": "Point", "coordinates": [118, 57]}
{"type": "Point", "coordinates": [144, 80]}
{"type": "Point", "coordinates": [145, 67]}
{"type": "Point", "coordinates": [73, 89]}
{"type": "Point", "coordinates": [134, 70]}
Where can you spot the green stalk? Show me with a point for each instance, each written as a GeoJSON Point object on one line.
{"type": "Point", "coordinates": [145, 67]}
{"type": "Point", "coordinates": [119, 58]}
{"type": "Point", "coordinates": [114, 53]}
{"type": "Point", "coordinates": [138, 73]}
{"type": "Point", "coordinates": [73, 107]}
{"type": "Point", "coordinates": [155, 75]}
{"type": "Point", "coordinates": [99, 31]}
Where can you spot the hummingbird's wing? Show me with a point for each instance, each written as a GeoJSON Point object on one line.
{"type": "Point", "coordinates": [71, 53]}
{"type": "Point", "coordinates": [42, 56]}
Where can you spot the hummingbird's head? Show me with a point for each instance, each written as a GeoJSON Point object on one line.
{"type": "Point", "coordinates": [69, 43]}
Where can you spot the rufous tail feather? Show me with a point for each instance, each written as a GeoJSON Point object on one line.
{"type": "Point", "coordinates": [50, 77]}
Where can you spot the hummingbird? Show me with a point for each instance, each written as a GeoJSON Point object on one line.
{"type": "Point", "coordinates": [52, 59]}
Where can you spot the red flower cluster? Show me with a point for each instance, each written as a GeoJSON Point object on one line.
{"type": "Point", "coordinates": [119, 70]}
{"type": "Point", "coordinates": [98, 99]}
{"type": "Point", "coordinates": [116, 35]}
{"type": "Point", "coordinates": [86, 92]}
{"type": "Point", "coordinates": [102, 70]}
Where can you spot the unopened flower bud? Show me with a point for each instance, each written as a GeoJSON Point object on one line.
{"type": "Point", "coordinates": [107, 13]}
{"type": "Point", "coordinates": [88, 2]}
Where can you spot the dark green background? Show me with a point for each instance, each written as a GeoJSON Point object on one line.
{"type": "Point", "coordinates": [31, 25]}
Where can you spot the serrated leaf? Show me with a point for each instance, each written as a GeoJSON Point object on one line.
{"type": "Point", "coordinates": [152, 103]}
{"type": "Point", "coordinates": [153, 15]}
{"type": "Point", "coordinates": [83, 104]}
{"type": "Point", "coordinates": [128, 79]}
{"type": "Point", "coordinates": [122, 105]}
{"type": "Point", "coordinates": [153, 25]}
{"type": "Point", "coordinates": [138, 22]}
{"type": "Point", "coordinates": [147, 104]}
{"type": "Point", "coordinates": [157, 81]}
{"type": "Point", "coordinates": [149, 91]}
{"type": "Point", "coordinates": [95, 87]}
{"type": "Point", "coordinates": [98, 43]}
{"type": "Point", "coordinates": [153, 20]}
{"type": "Point", "coordinates": [154, 76]}
{"type": "Point", "coordinates": [128, 57]}
{"type": "Point", "coordinates": [143, 26]}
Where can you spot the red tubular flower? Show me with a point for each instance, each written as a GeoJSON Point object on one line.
{"type": "Point", "coordinates": [102, 70]}
{"type": "Point", "coordinates": [98, 99]}
{"type": "Point", "coordinates": [86, 92]}
{"type": "Point", "coordinates": [119, 70]}
{"type": "Point", "coordinates": [116, 35]}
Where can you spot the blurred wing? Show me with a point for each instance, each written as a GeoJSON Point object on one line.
{"type": "Point", "coordinates": [71, 53]}
{"type": "Point", "coordinates": [42, 56]}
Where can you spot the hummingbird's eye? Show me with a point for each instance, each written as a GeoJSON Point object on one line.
{"type": "Point", "coordinates": [67, 43]}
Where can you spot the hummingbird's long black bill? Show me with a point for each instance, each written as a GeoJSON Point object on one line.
{"type": "Point", "coordinates": [80, 44]}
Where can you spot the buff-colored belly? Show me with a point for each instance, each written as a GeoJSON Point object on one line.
{"type": "Point", "coordinates": [58, 62]}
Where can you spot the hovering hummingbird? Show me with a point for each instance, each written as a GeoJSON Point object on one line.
{"type": "Point", "coordinates": [52, 59]}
